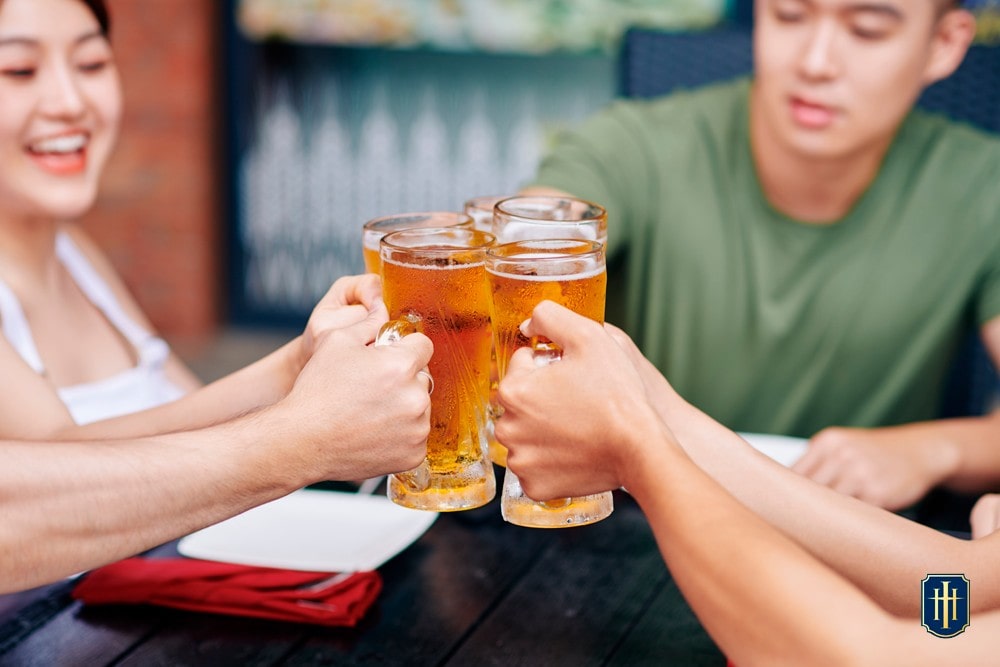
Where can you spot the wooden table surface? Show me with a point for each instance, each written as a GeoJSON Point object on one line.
{"type": "Point", "coordinates": [473, 590]}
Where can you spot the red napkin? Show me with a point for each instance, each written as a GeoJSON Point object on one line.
{"type": "Point", "coordinates": [238, 590]}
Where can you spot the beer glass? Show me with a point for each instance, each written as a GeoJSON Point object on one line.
{"type": "Point", "coordinates": [524, 218]}
{"type": "Point", "coordinates": [434, 281]}
{"type": "Point", "coordinates": [375, 229]}
{"type": "Point", "coordinates": [521, 275]}
{"type": "Point", "coordinates": [545, 217]}
{"type": "Point", "coordinates": [480, 209]}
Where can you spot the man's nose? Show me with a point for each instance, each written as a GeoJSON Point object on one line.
{"type": "Point", "coordinates": [819, 60]}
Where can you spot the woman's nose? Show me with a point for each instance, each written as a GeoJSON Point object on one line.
{"type": "Point", "coordinates": [62, 94]}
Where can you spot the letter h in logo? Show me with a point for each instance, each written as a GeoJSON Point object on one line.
{"type": "Point", "coordinates": [944, 604]}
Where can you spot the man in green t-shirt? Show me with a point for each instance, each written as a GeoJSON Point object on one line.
{"type": "Point", "coordinates": [804, 252]}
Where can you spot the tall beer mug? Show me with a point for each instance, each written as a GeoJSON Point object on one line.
{"type": "Point", "coordinates": [521, 275]}
{"type": "Point", "coordinates": [376, 228]}
{"type": "Point", "coordinates": [434, 281]}
{"type": "Point", "coordinates": [544, 217]}
{"type": "Point", "coordinates": [480, 209]}
{"type": "Point", "coordinates": [526, 218]}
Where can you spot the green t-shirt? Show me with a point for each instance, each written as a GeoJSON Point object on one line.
{"type": "Point", "coordinates": [770, 324]}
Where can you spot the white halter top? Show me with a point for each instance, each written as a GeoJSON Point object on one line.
{"type": "Point", "coordinates": [138, 388]}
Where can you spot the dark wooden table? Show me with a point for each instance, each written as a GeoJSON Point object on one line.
{"type": "Point", "coordinates": [472, 591]}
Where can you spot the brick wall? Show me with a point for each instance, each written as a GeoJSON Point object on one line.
{"type": "Point", "coordinates": [159, 211]}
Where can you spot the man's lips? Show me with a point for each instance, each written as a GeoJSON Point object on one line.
{"type": "Point", "coordinates": [811, 115]}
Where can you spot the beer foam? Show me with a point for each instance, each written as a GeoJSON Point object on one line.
{"type": "Point", "coordinates": [547, 229]}
{"type": "Point", "coordinates": [547, 278]}
{"type": "Point", "coordinates": [434, 267]}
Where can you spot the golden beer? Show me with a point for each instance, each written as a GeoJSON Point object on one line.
{"type": "Point", "coordinates": [375, 229]}
{"type": "Point", "coordinates": [522, 275]}
{"type": "Point", "coordinates": [515, 296]}
{"type": "Point", "coordinates": [438, 275]}
{"type": "Point", "coordinates": [480, 209]}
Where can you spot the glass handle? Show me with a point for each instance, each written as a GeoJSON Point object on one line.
{"type": "Point", "coordinates": [545, 351]}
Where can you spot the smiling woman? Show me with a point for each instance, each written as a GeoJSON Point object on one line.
{"type": "Point", "coordinates": [75, 344]}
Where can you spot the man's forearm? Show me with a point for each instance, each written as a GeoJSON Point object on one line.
{"type": "Point", "coordinates": [879, 552]}
{"type": "Point", "coordinates": [745, 580]}
{"type": "Point", "coordinates": [69, 506]}
{"type": "Point", "coordinates": [766, 601]}
{"type": "Point", "coordinates": [974, 443]}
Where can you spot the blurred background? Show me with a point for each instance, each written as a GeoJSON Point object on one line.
{"type": "Point", "coordinates": [260, 134]}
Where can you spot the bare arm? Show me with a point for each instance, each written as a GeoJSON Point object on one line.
{"type": "Point", "coordinates": [745, 580]}
{"type": "Point", "coordinates": [894, 467]}
{"type": "Point", "coordinates": [348, 301]}
{"type": "Point", "coordinates": [881, 553]}
{"type": "Point", "coordinates": [978, 467]}
{"type": "Point", "coordinates": [763, 598]}
{"type": "Point", "coordinates": [355, 411]}
{"type": "Point", "coordinates": [541, 191]}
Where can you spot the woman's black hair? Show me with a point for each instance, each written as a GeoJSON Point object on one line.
{"type": "Point", "coordinates": [99, 9]}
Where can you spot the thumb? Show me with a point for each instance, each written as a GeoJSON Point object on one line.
{"type": "Point", "coordinates": [558, 324]}
{"type": "Point", "coordinates": [364, 332]}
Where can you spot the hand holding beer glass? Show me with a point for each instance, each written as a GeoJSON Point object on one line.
{"type": "Point", "coordinates": [376, 228]}
{"type": "Point", "coordinates": [521, 275]}
{"type": "Point", "coordinates": [542, 217]}
{"type": "Point", "coordinates": [434, 281]}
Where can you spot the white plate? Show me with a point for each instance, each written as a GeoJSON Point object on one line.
{"type": "Point", "coordinates": [319, 531]}
{"type": "Point", "coordinates": [784, 449]}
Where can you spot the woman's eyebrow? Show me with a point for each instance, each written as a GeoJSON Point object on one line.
{"type": "Point", "coordinates": [21, 40]}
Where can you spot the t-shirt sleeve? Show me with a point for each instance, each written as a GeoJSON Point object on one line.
{"type": "Point", "coordinates": [603, 161]}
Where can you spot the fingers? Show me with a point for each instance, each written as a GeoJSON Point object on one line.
{"type": "Point", "coordinates": [364, 332]}
{"type": "Point", "coordinates": [522, 360]}
{"type": "Point", "coordinates": [559, 324]}
{"type": "Point", "coordinates": [420, 347]}
{"type": "Point", "coordinates": [344, 316]}
{"type": "Point", "coordinates": [365, 289]}
{"type": "Point", "coordinates": [808, 463]}
{"type": "Point", "coordinates": [985, 517]}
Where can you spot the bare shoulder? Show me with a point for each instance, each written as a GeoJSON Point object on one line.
{"type": "Point", "coordinates": [29, 405]}
{"type": "Point", "coordinates": [106, 270]}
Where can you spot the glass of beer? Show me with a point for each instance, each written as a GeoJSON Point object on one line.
{"type": "Point", "coordinates": [434, 281]}
{"type": "Point", "coordinates": [522, 274]}
{"type": "Point", "coordinates": [480, 209]}
{"type": "Point", "coordinates": [544, 217]}
{"type": "Point", "coordinates": [376, 228]}
{"type": "Point", "coordinates": [524, 218]}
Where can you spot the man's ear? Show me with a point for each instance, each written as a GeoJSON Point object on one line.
{"type": "Point", "coordinates": [953, 33]}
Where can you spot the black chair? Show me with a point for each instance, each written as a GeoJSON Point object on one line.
{"type": "Point", "coordinates": [654, 63]}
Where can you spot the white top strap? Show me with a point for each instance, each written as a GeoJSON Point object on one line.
{"type": "Point", "coordinates": [97, 290]}
{"type": "Point", "coordinates": [16, 330]}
